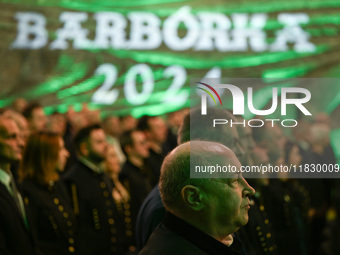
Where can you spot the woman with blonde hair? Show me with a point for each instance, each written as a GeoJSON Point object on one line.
{"type": "Point", "coordinates": [49, 210]}
{"type": "Point", "coordinates": [120, 195]}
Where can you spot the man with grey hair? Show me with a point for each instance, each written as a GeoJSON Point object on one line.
{"type": "Point", "coordinates": [202, 213]}
{"type": "Point", "coordinates": [15, 237]}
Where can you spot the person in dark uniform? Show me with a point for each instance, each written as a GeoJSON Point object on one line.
{"type": "Point", "coordinates": [15, 237]}
{"type": "Point", "coordinates": [49, 209]}
{"type": "Point", "coordinates": [120, 195]}
{"type": "Point", "coordinates": [202, 213]}
{"type": "Point", "coordinates": [156, 133]}
{"type": "Point", "coordinates": [152, 210]}
{"type": "Point", "coordinates": [136, 175]}
{"type": "Point", "coordinates": [99, 230]}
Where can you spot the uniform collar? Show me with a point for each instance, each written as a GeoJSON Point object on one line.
{"type": "Point", "coordinates": [5, 177]}
{"type": "Point", "coordinates": [198, 238]}
{"type": "Point", "coordinates": [90, 165]}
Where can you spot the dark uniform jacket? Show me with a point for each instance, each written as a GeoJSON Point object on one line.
{"type": "Point", "coordinates": [50, 216]}
{"type": "Point", "coordinates": [100, 229]}
{"type": "Point", "coordinates": [176, 237]}
{"type": "Point", "coordinates": [15, 239]}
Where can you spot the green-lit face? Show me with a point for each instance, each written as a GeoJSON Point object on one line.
{"type": "Point", "coordinates": [228, 202]}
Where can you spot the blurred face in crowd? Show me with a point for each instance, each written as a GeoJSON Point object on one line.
{"type": "Point", "coordinates": [275, 142]}
{"type": "Point", "coordinates": [140, 148]}
{"type": "Point", "coordinates": [63, 154]}
{"type": "Point", "coordinates": [97, 146]}
{"type": "Point", "coordinates": [58, 124]}
{"type": "Point", "coordinates": [38, 120]}
{"type": "Point", "coordinates": [11, 142]}
{"type": "Point", "coordinates": [247, 143]}
{"type": "Point", "coordinates": [157, 130]}
{"type": "Point", "coordinates": [128, 123]}
{"type": "Point", "coordinates": [112, 126]}
{"type": "Point", "coordinates": [112, 161]}
{"type": "Point", "coordinates": [294, 156]}
{"type": "Point", "coordinates": [230, 138]}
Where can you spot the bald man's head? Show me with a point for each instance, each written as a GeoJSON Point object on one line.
{"type": "Point", "coordinates": [175, 172]}
{"type": "Point", "coordinates": [216, 206]}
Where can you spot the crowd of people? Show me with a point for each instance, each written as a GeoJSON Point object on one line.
{"type": "Point", "coordinates": [81, 183]}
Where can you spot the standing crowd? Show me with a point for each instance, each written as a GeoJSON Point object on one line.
{"type": "Point", "coordinates": [77, 184]}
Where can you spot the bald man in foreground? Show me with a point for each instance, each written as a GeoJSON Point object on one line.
{"type": "Point", "coordinates": [202, 213]}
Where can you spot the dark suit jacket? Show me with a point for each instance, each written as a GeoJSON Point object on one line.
{"type": "Point", "coordinates": [14, 236]}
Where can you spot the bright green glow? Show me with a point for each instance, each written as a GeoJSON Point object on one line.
{"type": "Point", "coordinates": [239, 61]}
{"type": "Point", "coordinates": [335, 142]}
{"type": "Point", "coordinates": [49, 110]}
{"type": "Point", "coordinates": [154, 5]}
{"type": "Point", "coordinates": [82, 87]}
{"type": "Point", "coordinates": [333, 104]}
{"type": "Point", "coordinates": [289, 72]}
{"type": "Point", "coordinates": [209, 94]}
{"type": "Point", "coordinates": [71, 72]}
{"type": "Point", "coordinates": [154, 110]}
{"type": "Point", "coordinates": [6, 101]}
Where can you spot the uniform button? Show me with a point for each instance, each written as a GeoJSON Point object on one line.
{"type": "Point", "coordinates": [26, 201]}
{"type": "Point", "coordinates": [71, 240]}
{"type": "Point", "coordinates": [103, 185]}
{"type": "Point", "coordinates": [128, 232]}
{"type": "Point", "coordinates": [261, 207]}
{"type": "Point", "coordinates": [258, 228]}
{"type": "Point", "coordinates": [287, 198]}
{"type": "Point", "coordinates": [265, 249]}
{"type": "Point", "coordinates": [69, 223]}
{"type": "Point", "coordinates": [127, 213]}
{"type": "Point", "coordinates": [50, 217]}
{"type": "Point", "coordinates": [263, 244]}
{"type": "Point", "coordinates": [266, 221]}
{"type": "Point", "coordinates": [269, 235]}
{"type": "Point", "coordinates": [262, 239]}
{"type": "Point", "coordinates": [127, 219]}
{"type": "Point", "coordinates": [113, 239]}
{"type": "Point", "coordinates": [126, 206]}
{"type": "Point", "coordinates": [61, 208]}
{"type": "Point", "coordinates": [109, 212]}
{"type": "Point", "coordinates": [56, 201]}
{"type": "Point", "coordinates": [97, 226]}
{"type": "Point", "coordinates": [107, 202]}
{"type": "Point", "coordinates": [260, 233]}
{"type": "Point", "coordinates": [271, 248]}
{"type": "Point", "coordinates": [55, 226]}
{"type": "Point", "coordinates": [71, 249]}
{"type": "Point", "coordinates": [65, 214]}
{"type": "Point", "coordinates": [106, 194]}
{"type": "Point", "coordinates": [113, 230]}
{"type": "Point", "coordinates": [111, 221]}
{"type": "Point", "coordinates": [94, 210]}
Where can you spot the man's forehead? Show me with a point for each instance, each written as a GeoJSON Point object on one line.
{"type": "Point", "coordinates": [8, 126]}
{"type": "Point", "coordinates": [97, 134]}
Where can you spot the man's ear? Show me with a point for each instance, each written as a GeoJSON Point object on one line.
{"type": "Point", "coordinates": [128, 149]}
{"type": "Point", "coordinates": [192, 197]}
{"type": "Point", "coordinates": [84, 150]}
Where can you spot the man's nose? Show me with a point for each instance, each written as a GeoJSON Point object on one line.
{"type": "Point", "coordinates": [248, 190]}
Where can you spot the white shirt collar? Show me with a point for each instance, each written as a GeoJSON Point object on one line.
{"type": "Point", "coordinates": [5, 178]}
